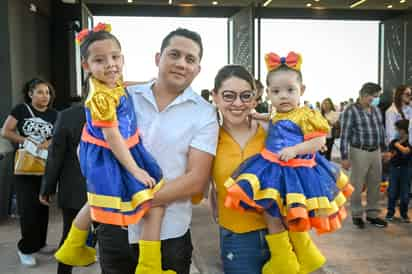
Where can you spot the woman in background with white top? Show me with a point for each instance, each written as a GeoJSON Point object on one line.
{"type": "Point", "coordinates": [327, 108]}
{"type": "Point", "coordinates": [400, 109]}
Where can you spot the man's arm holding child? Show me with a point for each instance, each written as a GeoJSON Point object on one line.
{"type": "Point", "coordinates": [193, 182]}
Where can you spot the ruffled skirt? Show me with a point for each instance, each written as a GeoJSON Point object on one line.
{"type": "Point", "coordinates": [114, 195]}
{"type": "Point", "coordinates": [304, 196]}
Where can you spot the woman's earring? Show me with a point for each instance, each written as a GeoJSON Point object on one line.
{"type": "Point", "coordinates": [219, 117]}
{"type": "Point", "coordinates": [249, 120]}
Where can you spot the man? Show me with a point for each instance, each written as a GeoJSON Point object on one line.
{"type": "Point", "coordinates": [362, 138]}
{"type": "Point", "coordinates": [62, 169]}
{"type": "Point", "coordinates": [179, 128]}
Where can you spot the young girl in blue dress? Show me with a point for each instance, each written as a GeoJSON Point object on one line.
{"type": "Point", "coordinates": [122, 176]}
{"type": "Point", "coordinates": [289, 181]}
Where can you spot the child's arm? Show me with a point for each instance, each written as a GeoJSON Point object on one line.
{"type": "Point", "coordinates": [403, 149]}
{"type": "Point", "coordinates": [260, 116]}
{"type": "Point", "coordinates": [310, 146]}
{"type": "Point", "coordinates": [122, 154]}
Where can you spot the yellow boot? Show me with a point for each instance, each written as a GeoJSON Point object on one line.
{"type": "Point", "coordinates": [74, 250]}
{"type": "Point", "coordinates": [150, 259]}
{"type": "Point", "coordinates": [282, 260]}
{"type": "Point", "coordinates": [308, 254]}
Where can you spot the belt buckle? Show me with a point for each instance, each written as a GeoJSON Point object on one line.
{"type": "Point", "coordinates": [370, 148]}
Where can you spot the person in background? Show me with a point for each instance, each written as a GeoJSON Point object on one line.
{"type": "Point", "coordinates": [63, 171]}
{"type": "Point", "coordinates": [400, 172]}
{"type": "Point", "coordinates": [317, 106]}
{"type": "Point", "coordinates": [399, 110]}
{"type": "Point", "coordinates": [362, 140]}
{"type": "Point", "coordinates": [262, 105]}
{"type": "Point", "coordinates": [32, 120]}
{"type": "Point", "coordinates": [205, 93]}
{"type": "Point", "coordinates": [328, 111]}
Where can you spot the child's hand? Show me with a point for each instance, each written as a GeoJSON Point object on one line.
{"type": "Point", "coordinates": [287, 153]}
{"type": "Point", "coordinates": [388, 155]}
{"type": "Point", "coordinates": [260, 116]}
{"type": "Point", "coordinates": [145, 178]}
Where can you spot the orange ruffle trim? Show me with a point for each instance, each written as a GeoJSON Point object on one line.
{"type": "Point", "coordinates": [120, 219]}
{"type": "Point", "coordinates": [297, 218]}
{"type": "Point", "coordinates": [87, 137]}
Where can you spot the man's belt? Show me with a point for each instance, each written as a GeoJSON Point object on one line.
{"type": "Point", "coordinates": [366, 148]}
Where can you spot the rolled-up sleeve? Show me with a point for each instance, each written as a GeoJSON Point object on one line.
{"type": "Point", "coordinates": [206, 135]}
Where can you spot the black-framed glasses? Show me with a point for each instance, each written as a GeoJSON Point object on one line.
{"type": "Point", "coordinates": [229, 96]}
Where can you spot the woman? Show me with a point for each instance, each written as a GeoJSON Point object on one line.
{"type": "Point", "coordinates": [34, 119]}
{"type": "Point", "coordinates": [239, 138]}
{"type": "Point", "coordinates": [242, 234]}
{"type": "Point", "coordinates": [328, 111]}
{"type": "Point", "coordinates": [399, 110]}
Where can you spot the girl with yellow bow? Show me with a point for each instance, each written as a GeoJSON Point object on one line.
{"type": "Point", "coordinates": [121, 175]}
{"type": "Point", "coordinates": [289, 181]}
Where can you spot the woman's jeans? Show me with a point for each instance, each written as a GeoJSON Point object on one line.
{"type": "Point", "coordinates": [244, 253]}
{"type": "Point", "coordinates": [399, 184]}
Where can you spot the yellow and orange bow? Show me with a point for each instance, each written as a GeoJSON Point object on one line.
{"type": "Point", "coordinates": [100, 27]}
{"type": "Point", "coordinates": [273, 61]}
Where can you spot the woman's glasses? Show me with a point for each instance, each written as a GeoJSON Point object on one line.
{"type": "Point", "coordinates": [229, 96]}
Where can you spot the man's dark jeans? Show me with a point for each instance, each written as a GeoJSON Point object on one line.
{"type": "Point", "coordinates": [118, 257]}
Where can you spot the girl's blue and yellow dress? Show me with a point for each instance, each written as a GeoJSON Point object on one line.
{"type": "Point", "coordinates": [305, 192]}
{"type": "Point", "coordinates": [114, 195]}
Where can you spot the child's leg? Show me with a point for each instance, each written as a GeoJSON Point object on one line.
{"type": "Point", "coordinates": [283, 259]}
{"type": "Point", "coordinates": [150, 257]}
{"type": "Point", "coordinates": [152, 224]}
{"type": "Point", "coordinates": [309, 256]}
{"type": "Point", "coordinates": [74, 250]}
{"type": "Point", "coordinates": [83, 221]}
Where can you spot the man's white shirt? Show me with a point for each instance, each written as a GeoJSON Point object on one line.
{"type": "Point", "coordinates": [189, 121]}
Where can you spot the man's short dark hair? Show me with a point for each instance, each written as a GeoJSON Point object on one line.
{"type": "Point", "coordinates": [194, 36]}
{"type": "Point", "coordinates": [369, 89]}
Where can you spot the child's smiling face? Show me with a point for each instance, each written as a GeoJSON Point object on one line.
{"type": "Point", "coordinates": [105, 61]}
{"type": "Point", "coordinates": [284, 90]}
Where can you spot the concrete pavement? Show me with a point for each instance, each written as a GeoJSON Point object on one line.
{"type": "Point", "coordinates": [349, 251]}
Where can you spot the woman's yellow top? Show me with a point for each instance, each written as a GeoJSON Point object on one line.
{"type": "Point", "coordinates": [229, 156]}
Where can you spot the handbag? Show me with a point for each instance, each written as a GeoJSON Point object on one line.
{"type": "Point", "coordinates": [26, 163]}
{"type": "Point", "coordinates": [28, 160]}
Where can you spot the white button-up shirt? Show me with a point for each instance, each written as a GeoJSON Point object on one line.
{"type": "Point", "coordinates": [189, 121]}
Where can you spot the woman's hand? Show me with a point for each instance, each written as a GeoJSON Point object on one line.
{"type": "Point", "coordinates": [43, 145]}
{"type": "Point", "coordinates": [287, 153]}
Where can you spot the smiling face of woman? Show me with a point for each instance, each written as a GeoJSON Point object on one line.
{"type": "Point", "coordinates": [235, 99]}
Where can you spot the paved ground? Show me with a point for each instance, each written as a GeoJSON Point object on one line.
{"type": "Point", "coordinates": [350, 251]}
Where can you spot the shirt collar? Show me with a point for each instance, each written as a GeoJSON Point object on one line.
{"type": "Point", "coordinates": [146, 91]}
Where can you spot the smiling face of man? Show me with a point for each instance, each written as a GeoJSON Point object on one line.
{"type": "Point", "coordinates": [179, 63]}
